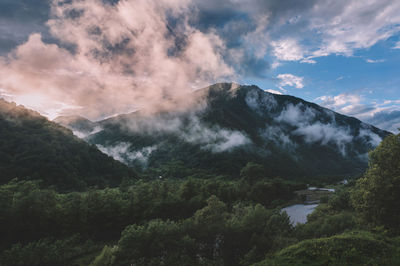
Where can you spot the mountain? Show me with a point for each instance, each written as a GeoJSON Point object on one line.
{"type": "Point", "coordinates": [80, 125]}
{"type": "Point", "coordinates": [231, 125]}
{"type": "Point", "coordinates": [32, 147]}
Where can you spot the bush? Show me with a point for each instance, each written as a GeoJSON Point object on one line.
{"type": "Point", "coordinates": [355, 248]}
{"type": "Point", "coordinates": [377, 194]}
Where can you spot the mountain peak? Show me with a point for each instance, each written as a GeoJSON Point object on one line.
{"type": "Point", "coordinates": [241, 123]}
{"type": "Point", "coordinates": [229, 87]}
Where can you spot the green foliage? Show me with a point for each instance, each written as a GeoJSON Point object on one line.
{"type": "Point", "coordinates": [31, 147]}
{"type": "Point", "coordinates": [354, 248]}
{"type": "Point", "coordinates": [106, 257]}
{"type": "Point", "coordinates": [48, 252]}
{"type": "Point", "coordinates": [377, 194]}
{"type": "Point", "coordinates": [243, 109]}
{"type": "Point", "coordinates": [203, 219]}
{"type": "Point", "coordinates": [212, 236]}
{"type": "Point", "coordinates": [252, 172]}
{"type": "Point", "coordinates": [326, 225]}
{"type": "Point", "coordinates": [158, 242]}
{"type": "Point", "coordinates": [29, 212]}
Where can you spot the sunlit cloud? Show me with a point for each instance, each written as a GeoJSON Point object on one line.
{"type": "Point", "coordinates": [122, 57]}
{"type": "Point", "coordinates": [291, 81]}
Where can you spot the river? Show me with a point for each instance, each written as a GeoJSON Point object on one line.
{"type": "Point", "coordinates": [298, 213]}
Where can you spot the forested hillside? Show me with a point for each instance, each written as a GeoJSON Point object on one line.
{"type": "Point", "coordinates": [205, 221]}
{"type": "Point", "coordinates": [32, 148]}
{"type": "Point", "coordinates": [233, 125]}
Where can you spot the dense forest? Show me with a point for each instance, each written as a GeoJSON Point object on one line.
{"type": "Point", "coordinates": [212, 221]}
{"type": "Point", "coordinates": [32, 147]}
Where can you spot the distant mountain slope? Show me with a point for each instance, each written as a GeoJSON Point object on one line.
{"type": "Point", "coordinates": [35, 148]}
{"type": "Point", "coordinates": [76, 122]}
{"type": "Point", "coordinates": [289, 136]}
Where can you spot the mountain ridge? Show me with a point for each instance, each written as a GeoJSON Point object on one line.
{"type": "Point", "coordinates": [32, 147]}
{"type": "Point", "coordinates": [237, 124]}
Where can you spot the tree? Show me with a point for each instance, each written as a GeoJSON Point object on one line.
{"type": "Point", "coordinates": [377, 194]}
{"type": "Point", "coordinates": [252, 172]}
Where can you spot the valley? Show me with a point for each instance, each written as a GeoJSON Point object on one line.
{"type": "Point", "coordinates": [199, 133]}
{"type": "Point", "coordinates": [189, 199]}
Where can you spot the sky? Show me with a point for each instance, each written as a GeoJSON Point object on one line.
{"type": "Point", "coordinates": [102, 57]}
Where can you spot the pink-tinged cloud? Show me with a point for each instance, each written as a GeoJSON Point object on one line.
{"type": "Point", "coordinates": [119, 58]}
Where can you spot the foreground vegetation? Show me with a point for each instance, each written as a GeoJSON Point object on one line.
{"type": "Point", "coordinates": [213, 221]}
{"type": "Point", "coordinates": [194, 221]}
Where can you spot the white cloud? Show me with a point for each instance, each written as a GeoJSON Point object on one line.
{"type": "Point", "coordinates": [336, 27]}
{"type": "Point", "coordinates": [308, 61]}
{"type": "Point", "coordinates": [372, 61]}
{"type": "Point", "coordinates": [305, 119]}
{"type": "Point", "coordinates": [296, 115]}
{"type": "Point", "coordinates": [125, 57]}
{"type": "Point", "coordinates": [391, 102]}
{"type": "Point", "coordinates": [259, 101]}
{"type": "Point", "coordinates": [325, 133]}
{"type": "Point", "coordinates": [188, 127]}
{"type": "Point", "coordinates": [291, 80]}
{"type": "Point", "coordinates": [384, 115]}
{"type": "Point", "coordinates": [274, 92]}
{"type": "Point", "coordinates": [122, 151]}
{"type": "Point", "coordinates": [287, 50]}
{"type": "Point", "coordinates": [339, 100]}
{"type": "Point", "coordinates": [345, 26]}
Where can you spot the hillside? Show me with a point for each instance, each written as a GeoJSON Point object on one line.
{"type": "Point", "coordinates": [239, 124]}
{"type": "Point", "coordinates": [31, 147]}
{"type": "Point", "coordinates": [80, 125]}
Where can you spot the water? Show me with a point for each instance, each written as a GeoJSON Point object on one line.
{"type": "Point", "coordinates": [298, 212]}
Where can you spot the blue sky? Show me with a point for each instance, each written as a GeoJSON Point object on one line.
{"type": "Point", "coordinates": [364, 84]}
{"type": "Point", "coordinates": [101, 57]}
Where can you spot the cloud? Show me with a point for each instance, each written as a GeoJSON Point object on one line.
{"type": "Point", "coordinates": [348, 104]}
{"type": "Point", "coordinates": [92, 54]}
{"type": "Point", "coordinates": [307, 125]}
{"type": "Point", "coordinates": [83, 134]}
{"type": "Point", "coordinates": [339, 100]}
{"type": "Point", "coordinates": [325, 133]}
{"type": "Point", "coordinates": [276, 134]}
{"type": "Point", "coordinates": [372, 138]}
{"type": "Point", "coordinates": [287, 50]}
{"type": "Point", "coordinates": [274, 92]}
{"type": "Point", "coordinates": [389, 120]}
{"type": "Point", "coordinates": [188, 126]}
{"type": "Point", "coordinates": [372, 61]}
{"type": "Point", "coordinates": [18, 19]}
{"type": "Point", "coordinates": [383, 115]}
{"type": "Point", "coordinates": [357, 109]}
{"type": "Point", "coordinates": [110, 66]}
{"type": "Point", "coordinates": [291, 80]}
{"type": "Point", "coordinates": [397, 45]}
{"type": "Point", "coordinates": [296, 115]}
{"type": "Point", "coordinates": [301, 31]}
{"type": "Point", "coordinates": [261, 102]}
{"type": "Point", "coordinates": [321, 28]}
{"type": "Point", "coordinates": [122, 151]}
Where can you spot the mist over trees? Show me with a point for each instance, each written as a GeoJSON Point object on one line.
{"type": "Point", "coordinates": [204, 221]}
{"type": "Point", "coordinates": [63, 202]}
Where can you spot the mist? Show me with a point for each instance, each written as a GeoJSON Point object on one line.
{"type": "Point", "coordinates": [111, 58]}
